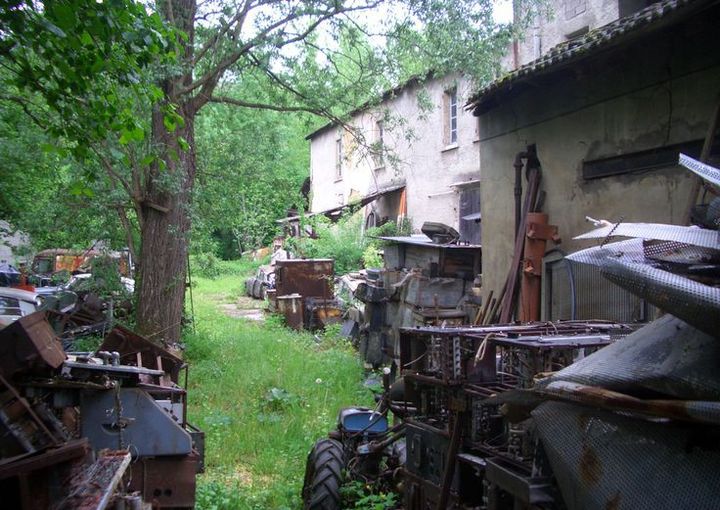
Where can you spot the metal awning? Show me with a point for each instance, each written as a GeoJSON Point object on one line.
{"type": "Point", "coordinates": [423, 240]}
{"type": "Point", "coordinates": [335, 212]}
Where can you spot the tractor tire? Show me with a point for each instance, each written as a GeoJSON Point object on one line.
{"type": "Point", "coordinates": [323, 476]}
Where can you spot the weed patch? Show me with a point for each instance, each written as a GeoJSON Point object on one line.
{"type": "Point", "coordinates": [263, 394]}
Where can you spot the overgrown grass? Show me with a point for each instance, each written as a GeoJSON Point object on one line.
{"type": "Point", "coordinates": [263, 394]}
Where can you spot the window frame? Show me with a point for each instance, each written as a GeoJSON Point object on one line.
{"type": "Point", "coordinates": [339, 156]}
{"type": "Point", "coordinates": [450, 118]}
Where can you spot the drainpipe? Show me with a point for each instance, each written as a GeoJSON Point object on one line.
{"type": "Point", "coordinates": [518, 164]}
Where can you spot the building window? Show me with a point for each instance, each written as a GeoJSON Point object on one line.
{"type": "Point", "coordinates": [339, 157]}
{"type": "Point", "coordinates": [451, 117]}
{"type": "Point", "coordinates": [378, 148]}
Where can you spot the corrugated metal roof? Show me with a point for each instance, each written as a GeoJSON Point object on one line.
{"type": "Point", "coordinates": [594, 41]}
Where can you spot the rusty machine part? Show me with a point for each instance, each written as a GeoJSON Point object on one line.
{"type": "Point", "coordinates": [451, 443]}
{"type": "Point", "coordinates": [70, 424]}
{"type": "Point", "coordinates": [307, 277]}
{"type": "Point", "coordinates": [458, 439]}
{"type": "Point", "coordinates": [305, 292]}
{"type": "Point", "coordinates": [538, 232]}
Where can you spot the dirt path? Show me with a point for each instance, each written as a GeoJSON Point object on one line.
{"type": "Point", "coordinates": [244, 308]}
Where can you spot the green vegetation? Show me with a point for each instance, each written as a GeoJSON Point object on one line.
{"type": "Point", "coordinates": [118, 92]}
{"type": "Point", "coordinates": [345, 242]}
{"type": "Point", "coordinates": [263, 394]}
{"type": "Point", "coordinates": [360, 496]}
{"type": "Point", "coordinates": [251, 167]}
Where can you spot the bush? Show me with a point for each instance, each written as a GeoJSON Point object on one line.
{"type": "Point", "coordinates": [341, 241]}
{"type": "Point", "coordinates": [371, 256]}
{"type": "Point", "coordinates": [205, 264]}
{"type": "Point", "coordinates": [345, 243]}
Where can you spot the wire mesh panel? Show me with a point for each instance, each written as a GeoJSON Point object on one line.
{"type": "Point", "coordinates": [603, 460]}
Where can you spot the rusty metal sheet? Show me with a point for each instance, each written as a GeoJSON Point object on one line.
{"type": "Point", "coordinates": [130, 345]}
{"type": "Point", "coordinates": [292, 308]}
{"type": "Point", "coordinates": [29, 344]}
{"type": "Point", "coordinates": [307, 277]}
{"type": "Point", "coordinates": [166, 482]}
{"type": "Point", "coordinates": [603, 460]}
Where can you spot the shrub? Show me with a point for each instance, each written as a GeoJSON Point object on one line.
{"type": "Point", "coordinates": [345, 243]}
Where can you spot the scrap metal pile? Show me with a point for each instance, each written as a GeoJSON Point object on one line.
{"type": "Point", "coordinates": [92, 430]}
{"type": "Point", "coordinates": [599, 433]}
{"type": "Point", "coordinates": [570, 415]}
{"type": "Point", "coordinates": [462, 451]}
{"type": "Point", "coordinates": [589, 435]}
{"type": "Point", "coordinates": [427, 280]}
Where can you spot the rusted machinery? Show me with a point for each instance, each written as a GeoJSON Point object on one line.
{"type": "Point", "coordinates": [559, 415]}
{"type": "Point", "coordinates": [70, 423]}
{"type": "Point", "coordinates": [305, 293]}
{"type": "Point", "coordinates": [461, 451]}
{"type": "Point", "coordinates": [454, 447]}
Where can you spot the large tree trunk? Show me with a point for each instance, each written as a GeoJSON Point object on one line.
{"type": "Point", "coordinates": [166, 203]}
{"type": "Point", "coordinates": [163, 254]}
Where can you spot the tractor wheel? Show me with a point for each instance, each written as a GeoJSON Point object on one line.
{"type": "Point", "coordinates": [323, 476]}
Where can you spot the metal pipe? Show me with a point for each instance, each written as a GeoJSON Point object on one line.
{"type": "Point", "coordinates": [450, 462]}
{"type": "Point", "coordinates": [518, 164]}
{"type": "Point", "coordinates": [381, 445]}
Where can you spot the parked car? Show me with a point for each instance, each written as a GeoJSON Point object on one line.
{"type": "Point", "coordinates": [16, 303]}
{"type": "Point", "coordinates": [50, 265]}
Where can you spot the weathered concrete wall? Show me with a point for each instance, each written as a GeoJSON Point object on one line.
{"type": "Point", "coordinates": [561, 20]}
{"type": "Point", "coordinates": [420, 157]}
{"type": "Point", "coordinates": [659, 93]}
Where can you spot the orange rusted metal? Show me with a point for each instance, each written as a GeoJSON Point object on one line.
{"type": "Point", "coordinates": [537, 233]}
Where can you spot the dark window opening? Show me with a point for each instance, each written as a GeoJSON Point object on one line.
{"type": "Point", "coordinates": [641, 161]}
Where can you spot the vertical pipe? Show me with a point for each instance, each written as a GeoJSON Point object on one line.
{"type": "Point", "coordinates": [518, 164]}
{"type": "Point", "coordinates": [450, 462]}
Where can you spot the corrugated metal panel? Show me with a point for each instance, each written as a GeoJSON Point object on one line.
{"type": "Point", "coordinates": [595, 296]}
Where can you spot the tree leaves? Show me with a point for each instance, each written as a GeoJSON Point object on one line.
{"type": "Point", "coordinates": [78, 65]}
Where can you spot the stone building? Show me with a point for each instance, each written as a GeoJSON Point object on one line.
{"type": "Point", "coordinates": [417, 154]}
{"type": "Point", "coordinates": [607, 114]}
{"type": "Point", "coordinates": [420, 155]}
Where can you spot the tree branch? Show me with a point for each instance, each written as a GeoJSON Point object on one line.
{"type": "Point", "coordinates": [209, 80]}
{"type": "Point", "coordinates": [238, 19]}
{"type": "Point", "coordinates": [24, 104]}
{"type": "Point", "coordinates": [264, 106]}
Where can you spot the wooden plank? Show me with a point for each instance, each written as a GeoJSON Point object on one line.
{"type": "Point", "coordinates": [704, 156]}
{"type": "Point", "coordinates": [508, 300]}
{"type": "Point", "coordinates": [70, 450]}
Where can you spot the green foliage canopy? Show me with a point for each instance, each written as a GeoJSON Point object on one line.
{"type": "Point", "coordinates": [66, 62]}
